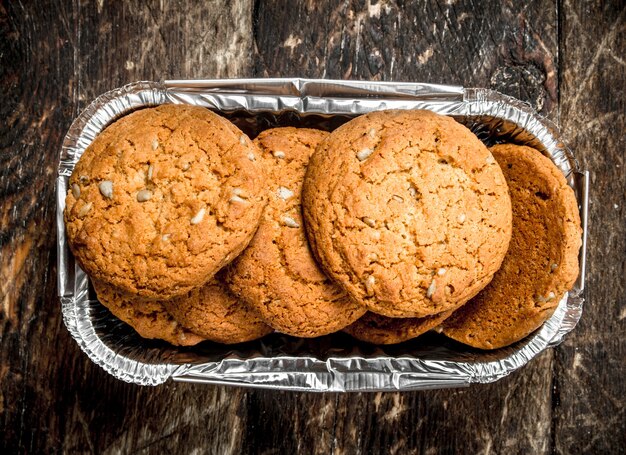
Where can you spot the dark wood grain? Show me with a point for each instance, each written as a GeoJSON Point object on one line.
{"type": "Point", "coordinates": [56, 59]}
{"type": "Point", "coordinates": [501, 45]}
{"type": "Point", "coordinates": [590, 406]}
{"type": "Point", "coordinates": [37, 105]}
{"type": "Point", "coordinates": [391, 41]}
{"type": "Point", "coordinates": [565, 58]}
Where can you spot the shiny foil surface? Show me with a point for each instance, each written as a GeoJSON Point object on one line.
{"type": "Point", "coordinates": [335, 362]}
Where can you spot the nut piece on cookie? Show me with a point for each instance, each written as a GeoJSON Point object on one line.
{"type": "Point", "coordinates": [541, 263]}
{"type": "Point", "coordinates": [387, 212]}
{"type": "Point", "coordinates": [163, 173]}
{"type": "Point", "coordinates": [277, 274]}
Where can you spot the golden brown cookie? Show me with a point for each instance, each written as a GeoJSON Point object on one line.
{"type": "Point", "coordinates": [408, 211]}
{"type": "Point", "coordinates": [162, 199]}
{"type": "Point", "coordinates": [277, 273]}
{"type": "Point", "coordinates": [148, 318]}
{"type": "Point", "coordinates": [217, 315]}
{"type": "Point", "coordinates": [377, 329]}
{"type": "Point", "coordinates": [542, 261]}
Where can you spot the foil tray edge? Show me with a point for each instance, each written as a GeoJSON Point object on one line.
{"type": "Point", "coordinates": [308, 373]}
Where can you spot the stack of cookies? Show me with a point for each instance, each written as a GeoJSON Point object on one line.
{"type": "Point", "coordinates": [395, 223]}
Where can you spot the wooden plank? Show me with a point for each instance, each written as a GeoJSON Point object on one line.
{"type": "Point", "coordinates": [506, 46]}
{"type": "Point", "coordinates": [510, 416]}
{"type": "Point", "coordinates": [55, 60]}
{"type": "Point", "coordinates": [157, 41]}
{"type": "Point", "coordinates": [590, 392]}
{"type": "Point", "coordinates": [104, 413]}
{"type": "Point", "coordinates": [36, 102]}
{"type": "Point", "coordinates": [509, 47]}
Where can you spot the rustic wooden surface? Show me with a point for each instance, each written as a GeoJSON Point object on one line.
{"type": "Point", "coordinates": [566, 58]}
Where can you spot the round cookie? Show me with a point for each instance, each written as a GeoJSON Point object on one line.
{"type": "Point", "coordinates": [148, 318]}
{"type": "Point", "coordinates": [542, 261]}
{"type": "Point", "coordinates": [215, 314]}
{"type": "Point", "coordinates": [377, 329]}
{"type": "Point", "coordinates": [408, 211]}
{"type": "Point", "coordinates": [162, 199]}
{"type": "Point", "coordinates": [277, 273]}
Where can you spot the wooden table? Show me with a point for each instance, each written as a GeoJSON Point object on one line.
{"type": "Point", "coordinates": [566, 58]}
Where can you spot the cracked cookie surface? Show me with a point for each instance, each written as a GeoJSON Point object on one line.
{"type": "Point", "coordinates": [217, 315]}
{"type": "Point", "coordinates": [149, 318]}
{"type": "Point", "coordinates": [277, 273]}
{"type": "Point", "coordinates": [162, 199]}
{"type": "Point", "coordinates": [408, 211]}
{"type": "Point", "coordinates": [377, 329]}
{"type": "Point", "coordinates": [542, 261]}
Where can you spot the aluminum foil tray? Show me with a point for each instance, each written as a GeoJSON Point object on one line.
{"type": "Point", "coordinates": [334, 362]}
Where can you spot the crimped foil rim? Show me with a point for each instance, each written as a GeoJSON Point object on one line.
{"type": "Point", "coordinates": [287, 372]}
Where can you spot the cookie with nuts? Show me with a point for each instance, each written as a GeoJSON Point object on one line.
{"type": "Point", "coordinates": [408, 211]}
{"type": "Point", "coordinates": [214, 313]}
{"type": "Point", "coordinates": [542, 260]}
{"type": "Point", "coordinates": [377, 329]}
{"type": "Point", "coordinates": [162, 199]}
{"type": "Point", "coordinates": [277, 273]}
{"type": "Point", "coordinates": [149, 318]}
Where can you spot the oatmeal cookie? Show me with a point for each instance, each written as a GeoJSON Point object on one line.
{"type": "Point", "coordinates": [408, 211]}
{"type": "Point", "coordinates": [217, 315]}
{"type": "Point", "coordinates": [542, 261]}
{"type": "Point", "coordinates": [149, 318]}
{"type": "Point", "coordinates": [162, 199]}
{"type": "Point", "coordinates": [277, 273]}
